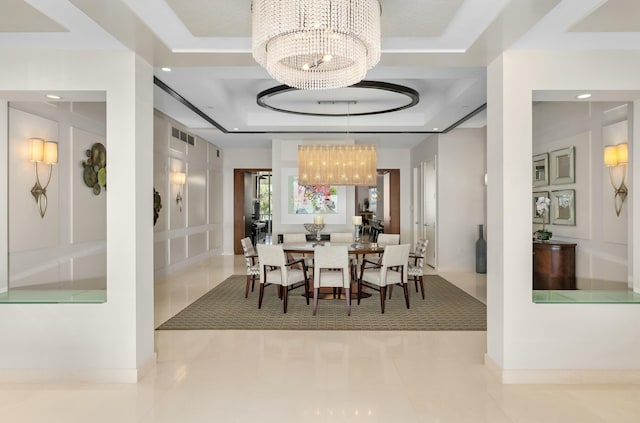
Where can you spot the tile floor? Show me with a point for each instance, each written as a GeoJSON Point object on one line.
{"type": "Point", "coordinates": [280, 376]}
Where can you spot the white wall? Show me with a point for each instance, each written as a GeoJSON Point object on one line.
{"type": "Point", "coordinates": [601, 236]}
{"type": "Point", "coordinates": [4, 199]}
{"type": "Point", "coordinates": [547, 342]}
{"type": "Point", "coordinates": [192, 231]}
{"type": "Point", "coordinates": [69, 243]}
{"type": "Point", "coordinates": [111, 341]}
{"type": "Point", "coordinates": [461, 164]}
{"type": "Point", "coordinates": [461, 157]}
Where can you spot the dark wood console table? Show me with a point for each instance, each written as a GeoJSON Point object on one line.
{"type": "Point", "coordinates": [554, 265]}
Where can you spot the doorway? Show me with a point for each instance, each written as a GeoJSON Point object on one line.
{"type": "Point", "coordinates": [383, 200]}
{"type": "Point", "coordinates": [252, 197]}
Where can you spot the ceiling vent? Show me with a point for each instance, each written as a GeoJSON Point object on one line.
{"type": "Point", "coordinates": [183, 136]}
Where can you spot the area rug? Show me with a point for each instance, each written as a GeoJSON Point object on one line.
{"type": "Point", "coordinates": [445, 308]}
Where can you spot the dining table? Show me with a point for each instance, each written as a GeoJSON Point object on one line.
{"type": "Point", "coordinates": [356, 249]}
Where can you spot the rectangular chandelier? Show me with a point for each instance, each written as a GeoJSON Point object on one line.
{"type": "Point", "coordinates": [337, 165]}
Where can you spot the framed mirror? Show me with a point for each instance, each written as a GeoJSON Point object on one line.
{"type": "Point", "coordinates": [563, 207]}
{"type": "Point", "coordinates": [540, 170]}
{"type": "Point", "coordinates": [563, 164]}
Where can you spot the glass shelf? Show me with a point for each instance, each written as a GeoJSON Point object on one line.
{"type": "Point", "coordinates": [54, 296]}
{"type": "Point", "coordinates": [585, 297]}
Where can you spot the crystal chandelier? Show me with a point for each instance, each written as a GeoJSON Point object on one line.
{"type": "Point", "coordinates": [316, 44]}
{"type": "Point", "coordinates": [337, 164]}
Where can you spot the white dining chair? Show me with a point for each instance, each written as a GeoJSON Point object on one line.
{"type": "Point", "coordinates": [346, 237]}
{"type": "Point", "coordinates": [275, 270]}
{"type": "Point", "coordinates": [297, 238]}
{"type": "Point", "coordinates": [390, 271]}
{"type": "Point", "coordinates": [415, 269]}
{"type": "Point", "coordinates": [341, 237]}
{"type": "Point", "coordinates": [388, 239]}
{"type": "Point", "coordinates": [294, 238]}
{"type": "Point", "coordinates": [251, 260]}
{"type": "Point", "coordinates": [383, 241]}
{"type": "Point", "coordinates": [332, 269]}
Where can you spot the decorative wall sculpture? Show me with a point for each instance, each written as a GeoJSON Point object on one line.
{"type": "Point", "coordinates": [157, 206]}
{"type": "Point", "coordinates": [95, 168]}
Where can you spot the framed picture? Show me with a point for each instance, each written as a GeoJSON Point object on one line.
{"type": "Point", "coordinates": [537, 218]}
{"type": "Point", "coordinates": [563, 207]}
{"type": "Point", "coordinates": [300, 203]}
{"type": "Point", "coordinates": [563, 166]}
{"type": "Point", "coordinates": [541, 170]}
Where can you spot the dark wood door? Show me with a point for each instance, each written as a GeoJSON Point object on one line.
{"type": "Point", "coordinates": [239, 189]}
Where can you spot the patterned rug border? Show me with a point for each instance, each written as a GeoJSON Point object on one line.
{"type": "Point", "coordinates": [446, 308]}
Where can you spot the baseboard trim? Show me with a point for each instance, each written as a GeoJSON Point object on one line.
{"type": "Point", "coordinates": [563, 377]}
{"type": "Point", "coordinates": [78, 375]}
{"type": "Point", "coordinates": [147, 366]}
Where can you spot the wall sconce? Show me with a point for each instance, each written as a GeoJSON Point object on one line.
{"type": "Point", "coordinates": [616, 158]}
{"type": "Point", "coordinates": [41, 151]}
{"type": "Point", "coordinates": [179, 178]}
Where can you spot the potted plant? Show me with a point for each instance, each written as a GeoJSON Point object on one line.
{"type": "Point", "coordinates": [542, 207]}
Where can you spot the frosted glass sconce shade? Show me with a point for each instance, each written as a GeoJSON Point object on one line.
{"type": "Point", "coordinates": [41, 151]}
{"type": "Point", "coordinates": [616, 158]}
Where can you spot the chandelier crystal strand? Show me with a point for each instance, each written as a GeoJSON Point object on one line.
{"type": "Point", "coordinates": [316, 44]}
{"type": "Point", "coordinates": [337, 164]}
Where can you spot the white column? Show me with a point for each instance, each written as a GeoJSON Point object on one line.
{"type": "Point", "coordinates": [4, 198]}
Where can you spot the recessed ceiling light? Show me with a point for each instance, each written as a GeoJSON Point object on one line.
{"type": "Point", "coordinates": [436, 129]}
{"type": "Point", "coordinates": [53, 97]}
{"type": "Point", "coordinates": [166, 69]}
{"type": "Point", "coordinates": [583, 96]}
{"type": "Point", "coordinates": [235, 129]}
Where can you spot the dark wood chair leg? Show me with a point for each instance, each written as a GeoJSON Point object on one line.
{"type": "Point", "coordinates": [260, 296]}
{"type": "Point", "coordinates": [390, 290]}
{"type": "Point", "coordinates": [406, 294]}
{"type": "Point", "coordinates": [285, 295]}
{"type": "Point", "coordinates": [415, 280]}
{"type": "Point", "coordinates": [348, 290]}
{"type": "Point", "coordinates": [422, 287]}
{"type": "Point", "coordinates": [306, 290]}
{"type": "Point", "coordinates": [359, 290]}
{"type": "Point", "coordinates": [246, 287]}
{"type": "Point", "coordinates": [253, 282]}
{"type": "Point", "coordinates": [315, 300]}
{"type": "Point", "coordinates": [383, 294]}
{"type": "Point", "coordinates": [279, 292]}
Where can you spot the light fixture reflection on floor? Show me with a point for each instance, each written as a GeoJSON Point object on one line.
{"type": "Point", "coordinates": [352, 164]}
{"type": "Point", "coordinates": [616, 158]}
{"type": "Point", "coordinates": [315, 45]}
{"type": "Point", "coordinates": [41, 151]}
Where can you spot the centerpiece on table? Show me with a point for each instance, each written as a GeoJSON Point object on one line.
{"type": "Point", "coordinates": [316, 227]}
{"type": "Point", "coordinates": [542, 207]}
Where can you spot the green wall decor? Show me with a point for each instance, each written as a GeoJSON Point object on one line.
{"type": "Point", "coordinates": [95, 168]}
